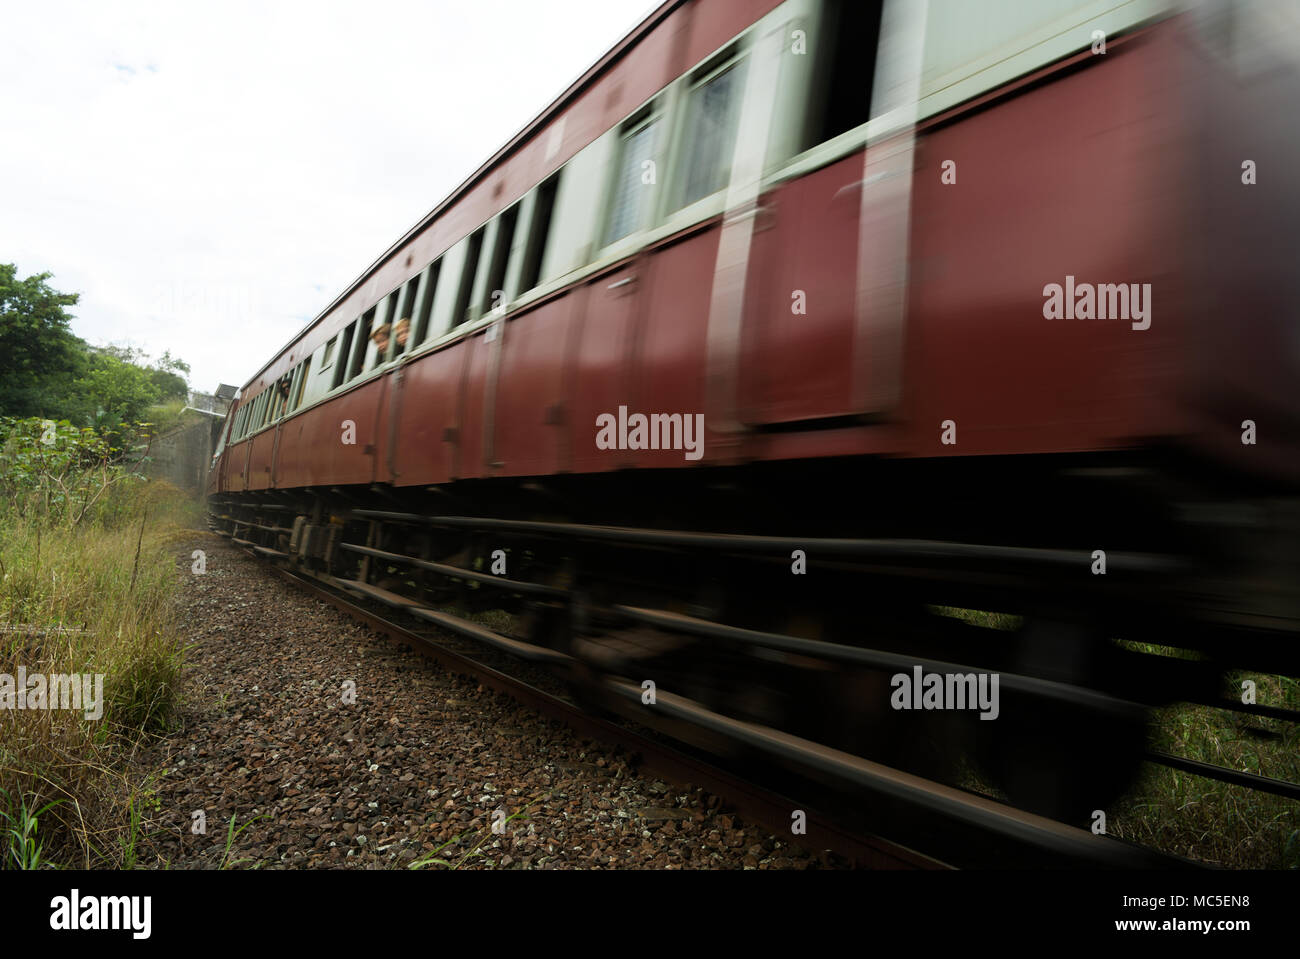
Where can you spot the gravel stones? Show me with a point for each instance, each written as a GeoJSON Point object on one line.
{"type": "Point", "coordinates": [412, 764]}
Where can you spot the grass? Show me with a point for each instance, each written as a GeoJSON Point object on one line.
{"type": "Point", "coordinates": [976, 617]}
{"type": "Point", "coordinates": [1217, 822]}
{"type": "Point", "coordinates": [231, 835]}
{"type": "Point", "coordinates": [21, 827]}
{"type": "Point", "coordinates": [1189, 815]}
{"type": "Point", "coordinates": [433, 859]}
{"type": "Point", "coordinates": [95, 599]}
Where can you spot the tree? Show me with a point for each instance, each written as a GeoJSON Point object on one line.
{"type": "Point", "coordinates": [39, 355]}
{"type": "Point", "coordinates": [118, 390]}
{"type": "Point", "coordinates": [46, 371]}
{"type": "Point", "coordinates": [166, 376]}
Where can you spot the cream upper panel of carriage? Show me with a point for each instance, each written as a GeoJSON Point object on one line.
{"type": "Point", "coordinates": [971, 48]}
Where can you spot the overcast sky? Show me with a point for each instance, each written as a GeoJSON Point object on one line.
{"type": "Point", "coordinates": [209, 177]}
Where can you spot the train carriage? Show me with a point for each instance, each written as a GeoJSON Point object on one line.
{"type": "Point", "coordinates": [942, 300]}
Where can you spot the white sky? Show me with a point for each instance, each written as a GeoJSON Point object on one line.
{"type": "Point", "coordinates": [208, 178]}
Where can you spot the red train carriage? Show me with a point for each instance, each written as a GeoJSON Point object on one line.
{"type": "Point", "coordinates": [951, 301]}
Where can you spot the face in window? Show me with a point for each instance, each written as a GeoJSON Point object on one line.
{"type": "Point", "coordinates": [380, 337]}
{"type": "Point", "coordinates": [402, 331]}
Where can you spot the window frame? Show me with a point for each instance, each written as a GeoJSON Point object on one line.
{"type": "Point", "coordinates": [341, 360]}
{"type": "Point", "coordinates": [654, 112]}
{"type": "Point", "coordinates": [501, 259]}
{"type": "Point", "coordinates": [735, 56]}
{"type": "Point", "coordinates": [425, 296]}
{"type": "Point", "coordinates": [533, 257]}
{"type": "Point", "coordinates": [469, 268]}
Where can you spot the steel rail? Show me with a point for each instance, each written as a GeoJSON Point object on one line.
{"type": "Point", "coordinates": [749, 799]}
{"type": "Point", "coordinates": [1055, 840]}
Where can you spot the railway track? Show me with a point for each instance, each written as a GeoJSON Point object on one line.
{"type": "Point", "coordinates": [929, 824]}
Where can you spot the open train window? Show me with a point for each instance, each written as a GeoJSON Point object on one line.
{"type": "Point", "coordinates": [284, 388]}
{"type": "Point", "coordinates": [634, 176]}
{"type": "Point", "coordinates": [383, 334]}
{"type": "Point", "coordinates": [328, 358]}
{"type": "Point", "coordinates": [842, 89]}
{"type": "Point", "coordinates": [361, 343]}
{"type": "Point", "coordinates": [466, 289]}
{"type": "Point", "coordinates": [709, 135]}
{"type": "Point", "coordinates": [539, 229]}
{"type": "Point", "coordinates": [304, 371]}
{"type": "Point", "coordinates": [497, 265]}
{"type": "Point", "coordinates": [426, 304]}
{"type": "Point", "coordinates": [402, 324]}
{"type": "Point", "coordinates": [345, 347]}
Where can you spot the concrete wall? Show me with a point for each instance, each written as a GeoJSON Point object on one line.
{"type": "Point", "coordinates": [181, 456]}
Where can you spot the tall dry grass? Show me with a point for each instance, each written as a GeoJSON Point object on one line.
{"type": "Point", "coordinates": [94, 597]}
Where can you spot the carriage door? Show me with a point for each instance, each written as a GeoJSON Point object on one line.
{"type": "Point", "coordinates": [824, 286]}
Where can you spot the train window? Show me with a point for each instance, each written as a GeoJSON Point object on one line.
{"type": "Point", "coordinates": [304, 371]}
{"type": "Point", "coordinates": [426, 304]}
{"type": "Point", "coordinates": [494, 292]}
{"type": "Point", "coordinates": [844, 98]}
{"type": "Point", "coordinates": [402, 326]}
{"type": "Point", "coordinates": [712, 114]}
{"type": "Point", "coordinates": [466, 290]}
{"type": "Point", "coordinates": [328, 358]}
{"type": "Point", "coordinates": [361, 343]}
{"type": "Point", "coordinates": [345, 346]}
{"type": "Point", "coordinates": [383, 334]}
{"type": "Point", "coordinates": [538, 230]}
{"type": "Point", "coordinates": [634, 177]}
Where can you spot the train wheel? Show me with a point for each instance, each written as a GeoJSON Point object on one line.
{"type": "Point", "coordinates": [1060, 758]}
